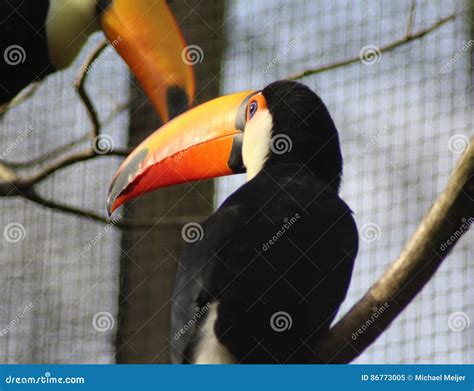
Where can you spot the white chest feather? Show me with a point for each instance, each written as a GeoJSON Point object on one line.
{"type": "Point", "coordinates": [209, 350]}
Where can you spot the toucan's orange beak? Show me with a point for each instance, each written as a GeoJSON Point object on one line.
{"type": "Point", "coordinates": [205, 142]}
{"type": "Point", "coordinates": [147, 37]}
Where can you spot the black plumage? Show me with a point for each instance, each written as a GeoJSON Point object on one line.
{"type": "Point", "coordinates": [24, 54]}
{"type": "Point", "coordinates": [283, 243]}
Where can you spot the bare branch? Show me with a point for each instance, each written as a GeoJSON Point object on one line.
{"type": "Point", "coordinates": [22, 97]}
{"type": "Point", "coordinates": [447, 220]}
{"type": "Point", "coordinates": [13, 185]}
{"type": "Point", "coordinates": [80, 87]}
{"type": "Point", "coordinates": [54, 153]}
{"type": "Point", "coordinates": [384, 49]}
{"type": "Point", "coordinates": [411, 18]}
{"type": "Point", "coordinates": [122, 224]}
{"type": "Point", "coordinates": [67, 161]}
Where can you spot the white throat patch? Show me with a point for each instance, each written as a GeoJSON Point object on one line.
{"type": "Point", "coordinates": [256, 143]}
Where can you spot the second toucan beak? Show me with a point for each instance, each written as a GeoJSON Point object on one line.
{"type": "Point", "coordinates": [205, 142]}
{"type": "Point", "coordinates": [147, 37]}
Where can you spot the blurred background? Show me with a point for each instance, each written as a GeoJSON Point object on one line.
{"type": "Point", "coordinates": [75, 290]}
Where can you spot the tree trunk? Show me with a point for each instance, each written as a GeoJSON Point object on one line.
{"type": "Point", "coordinates": [149, 257]}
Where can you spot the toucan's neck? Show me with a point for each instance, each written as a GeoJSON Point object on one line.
{"type": "Point", "coordinates": [332, 179]}
{"type": "Point", "coordinates": [69, 24]}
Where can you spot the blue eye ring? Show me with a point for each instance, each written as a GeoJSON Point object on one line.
{"type": "Point", "coordinates": [253, 108]}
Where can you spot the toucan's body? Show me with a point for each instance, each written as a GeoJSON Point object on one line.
{"type": "Point", "coordinates": [282, 245]}
{"type": "Point", "coordinates": [273, 263]}
{"type": "Point", "coordinates": [39, 37]}
{"type": "Point", "coordinates": [23, 25]}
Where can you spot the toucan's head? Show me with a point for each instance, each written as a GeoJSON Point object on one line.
{"type": "Point", "coordinates": [143, 32]}
{"type": "Point", "coordinates": [249, 131]}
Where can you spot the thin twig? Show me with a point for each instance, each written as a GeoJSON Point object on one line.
{"type": "Point", "coordinates": [384, 49]}
{"type": "Point", "coordinates": [122, 224]}
{"type": "Point", "coordinates": [67, 161]}
{"type": "Point", "coordinates": [411, 18]}
{"type": "Point", "coordinates": [54, 153]}
{"type": "Point", "coordinates": [80, 87]}
{"type": "Point", "coordinates": [22, 97]}
{"type": "Point", "coordinates": [447, 220]}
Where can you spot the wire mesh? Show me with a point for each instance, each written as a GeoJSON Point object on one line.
{"type": "Point", "coordinates": [59, 272]}
{"type": "Point", "coordinates": [400, 118]}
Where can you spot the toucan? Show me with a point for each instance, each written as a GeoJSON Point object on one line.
{"type": "Point", "coordinates": [39, 37]}
{"type": "Point", "coordinates": [263, 279]}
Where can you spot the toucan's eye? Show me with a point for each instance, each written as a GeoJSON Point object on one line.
{"type": "Point", "coordinates": [253, 108]}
